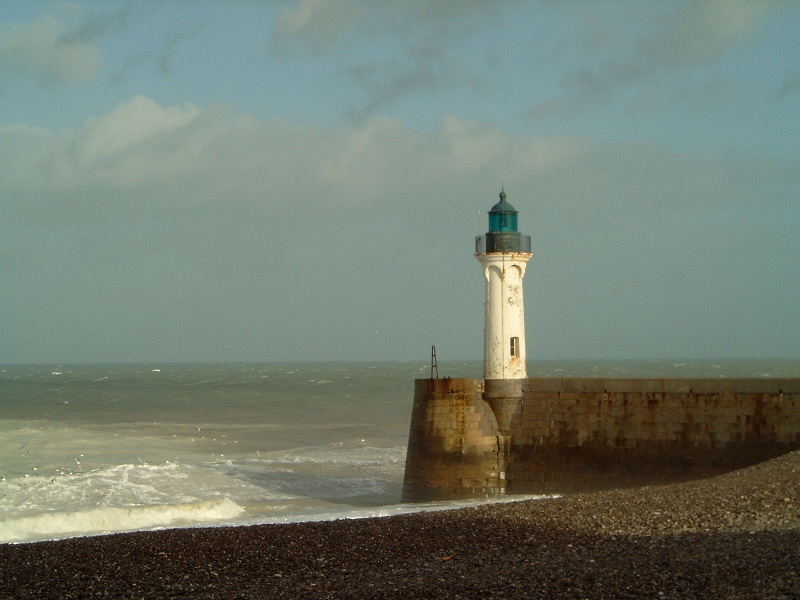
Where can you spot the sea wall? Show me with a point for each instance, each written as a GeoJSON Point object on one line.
{"type": "Point", "coordinates": [471, 437]}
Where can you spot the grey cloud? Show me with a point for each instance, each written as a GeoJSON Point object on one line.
{"type": "Point", "coordinates": [321, 23]}
{"type": "Point", "coordinates": [700, 32]}
{"type": "Point", "coordinates": [37, 48]}
{"type": "Point", "coordinates": [51, 51]}
{"type": "Point", "coordinates": [558, 108]}
{"type": "Point", "coordinates": [594, 83]}
{"type": "Point", "coordinates": [423, 67]}
{"type": "Point", "coordinates": [99, 24]}
{"type": "Point", "coordinates": [316, 22]}
{"type": "Point", "coordinates": [689, 36]}
{"type": "Point", "coordinates": [430, 32]}
{"type": "Point", "coordinates": [302, 241]}
{"type": "Point", "coordinates": [173, 41]}
{"type": "Point", "coordinates": [131, 62]}
{"type": "Point", "coordinates": [712, 95]}
{"type": "Point", "coordinates": [791, 84]}
{"type": "Point", "coordinates": [161, 57]}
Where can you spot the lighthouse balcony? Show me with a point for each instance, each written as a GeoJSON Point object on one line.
{"type": "Point", "coordinates": [502, 242]}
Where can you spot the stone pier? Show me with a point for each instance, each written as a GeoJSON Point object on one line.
{"type": "Point", "coordinates": [478, 438]}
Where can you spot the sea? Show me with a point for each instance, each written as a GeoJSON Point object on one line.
{"type": "Point", "coordinates": [102, 448]}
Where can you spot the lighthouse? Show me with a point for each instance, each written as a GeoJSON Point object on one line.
{"type": "Point", "coordinates": [506, 433]}
{"type": "Point", "coordinates": [503, 253]}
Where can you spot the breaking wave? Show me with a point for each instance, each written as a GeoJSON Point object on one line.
{"type": "Point", "coordinates": [110, 519]}
{"type": "Point", "coordinates": [120, 485]}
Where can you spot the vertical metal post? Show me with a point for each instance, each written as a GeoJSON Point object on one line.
{"type": "Point", "coordinates": [434, 363]}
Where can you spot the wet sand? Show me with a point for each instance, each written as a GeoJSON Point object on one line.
{"type": "Point", "coordinates": [733, 536]}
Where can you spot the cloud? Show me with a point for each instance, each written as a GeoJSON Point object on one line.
{"type": "Point", "coordinates": [179, 157]}
{"type": "Point", "coordinates": [425, 67]}
{"type": "Point", "coordinates": [97, 25]}
{"type": "Point", "coordinates": [318, 22]}
{"type": "Point", "coordinates": [791, 83]}
{"type": "Point", "coordinates": [697, 33]}
{"type": "Point", "coordinates": [189, 156]}
{"type": "Point", "coordinates": [321, 23]}
{"type": "Point", "coordinates": [173, 40]}
{"type": "Point", "coordinates": [202, 234]}
{"type": "Point", "coordinates": [689, 36]}
{"type": "Point", "coordinates": [61, 47]}
{"type": "Point", "coordinates": [429, 35]}
{"type": "Point", "coordinates": [40, 48]}
{"type": "Point", "coordinates": [628, 58]}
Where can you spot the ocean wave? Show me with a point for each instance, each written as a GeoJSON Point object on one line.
{"type": "Point", "coordinates": [126, 484]}
{"type": "Point", "coordinates": [110, 519]}
{"type": "Point", "coordinates": [122, 486]}
{"type": "Point", "coordinates": [337, 454]}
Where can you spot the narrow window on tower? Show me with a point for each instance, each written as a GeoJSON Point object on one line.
{"type": "Point", "coordinates": [514, 347]}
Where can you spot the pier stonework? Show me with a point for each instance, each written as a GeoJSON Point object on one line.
{"type": "Point", "coordinates": [474, 438]}
{"type": "Point", "coordinates": [453, 445]}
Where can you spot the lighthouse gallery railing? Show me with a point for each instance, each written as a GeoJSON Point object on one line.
{"type": "Point", "coordinates": [502, 242]}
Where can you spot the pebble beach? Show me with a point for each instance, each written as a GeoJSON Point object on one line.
{"type": "Point", "coordinates": [733, 536]}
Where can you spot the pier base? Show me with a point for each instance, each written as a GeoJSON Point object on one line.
{"type": "Point", "coordinates": [454, 446]}
{"type": "Point", "coordinates": [479, 438]}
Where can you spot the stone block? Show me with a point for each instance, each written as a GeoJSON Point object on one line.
{"type": "Point", "coordinates": [678, 386]}
{"type": "Point", "coordinates": [568, 398]}
{"type": "Point", "coordinates": [551, 384]}
{"type": "Point", "coordinates": [751, 386]}
{"type": "Point", "coordinates": [542, 384]}
{"type": "Point", "coordinates": [581, 384]}
{"type": "Point", "coordinates": [503, 388]}
{"type": "Point", "coordinates": [791, 399]}
{"type": "Point", "coordinates": [790, 386]}
{"type": "Point", "coordinates": [618, 385]}
{"type": "Point", "coordinates": [705, 386]}
{"type": "Point", "coordinates": [593, 384]}
{"type": "Point", "coordinates": [532, 384]}
{"type": "Point", "coordinates": [540, 397]}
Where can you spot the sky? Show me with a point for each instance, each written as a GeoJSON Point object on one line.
{"type": "Point", "coordinates": [293, 180]}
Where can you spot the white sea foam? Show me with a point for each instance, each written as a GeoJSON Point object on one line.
{"type": "Point", "coordinates": [123, 486]}
{"type": "Point", "coordinates": [389, 510]}
{"type": "Point", "coordinates": [108, 519]}
{"type": "Point", "coordinates": [338, 454]}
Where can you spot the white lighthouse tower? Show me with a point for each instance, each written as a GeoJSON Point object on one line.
{"type": "Point", "coordinates": [504, 253]}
